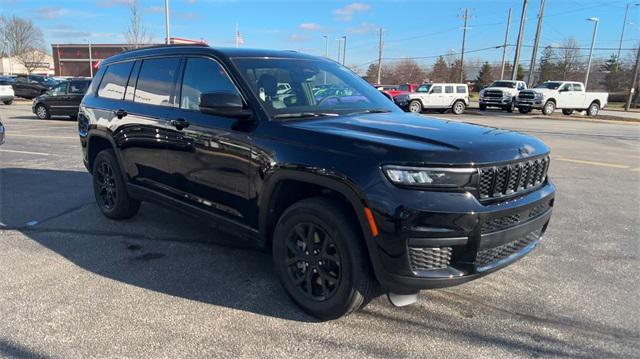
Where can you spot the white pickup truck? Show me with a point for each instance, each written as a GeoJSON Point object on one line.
{"type": "Point", "coordinates": [565, 95]}
{"type": "Point", "coordinates": [502, 94]}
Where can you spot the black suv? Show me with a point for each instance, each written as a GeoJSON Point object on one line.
{"type": "Point", "coordinates": [32, 86]}
{"type": "Point", "coordinates": [353, 196]}
{"type": "Point", "coordinates": [64, 99]}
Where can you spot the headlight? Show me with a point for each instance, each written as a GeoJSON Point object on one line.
{"type": "Point", "coordinates": [481, 93]}
{"type": "Point", "coordinates": [430, 177]}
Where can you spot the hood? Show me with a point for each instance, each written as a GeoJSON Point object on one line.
{"type": "Point", "coordinates": [542, 90]}
{"type": "Point", "coordinates": [410, 138]}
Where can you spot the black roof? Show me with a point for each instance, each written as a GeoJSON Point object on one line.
{"type": "Point", "coordinates": [223, 52]}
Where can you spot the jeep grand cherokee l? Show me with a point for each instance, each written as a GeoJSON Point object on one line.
{"type": "Point", "coordinates": [353, 196]}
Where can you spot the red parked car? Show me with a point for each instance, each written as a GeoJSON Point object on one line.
{"type": "Point", "coordinates": [402, 89]}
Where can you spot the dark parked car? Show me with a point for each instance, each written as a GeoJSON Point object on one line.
{"type": "Point", "coordinates": [354, 199]}
{"type": "Point", "coordinates": [31, 86]}
{"type": "Point", "coordinates": [64, 99]}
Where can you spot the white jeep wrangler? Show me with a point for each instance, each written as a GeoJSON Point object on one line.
{"type": "Point", "coordinates": [438, 96]}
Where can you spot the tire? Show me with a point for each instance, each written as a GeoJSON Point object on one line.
{"type": "Point", "coordinates": [523, 110]}
{"type": "Point", "coordinates": [567, 112]}
{"type": "Point", "coordinates": [548, 108]}
{"type": "Point", "coordinates": [593, 109]}
{"type": "Point", "coordinates": [42, 112]}
{"type": "Point", "coordinates": [458, 107]}
{"type": "Point", "coordinates": [8, 102]}
{"type": "Point", "coordinates": [482, 107]}
{"type": "Point", "coordinates": [74, 117]}
{"type": "Point", "coordinates": [511, 106]}
{"type": "Point", "coordinates": [109, 188]}
{"type": "Point", "coordinates": [415, 106]}
{"type": "Point", "coordinates": [335, 252]}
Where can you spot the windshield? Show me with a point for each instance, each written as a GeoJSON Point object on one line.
{"type": "Point", "coordinates": [313, 88]}
{"type": "Point", "coordinates": [424, 88]}
{"type": "Point", "coordinates": [49, 81]}
{"type": "Point", "coordinates": [549, 85]}
{"type": "Point", "coordinates": [506, 84]}
{"type": "Point", "coordinates": [404, 88]}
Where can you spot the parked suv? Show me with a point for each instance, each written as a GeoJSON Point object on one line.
{"type": "Point", "coordinates": [6, 92]}
{"type": "Point", "coordinates": [441, 97]}
{"type": "Point", "coordinates": [32, 86]}
{"type": "Point", "coordinates": [64, 99]}
{"type": "Point", "coordinates": [502, 94]}
{"type": "Point", "coordinates": [354, 197]}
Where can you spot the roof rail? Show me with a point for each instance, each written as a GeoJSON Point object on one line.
{"type": "Point", "coordinates": [164, 45]}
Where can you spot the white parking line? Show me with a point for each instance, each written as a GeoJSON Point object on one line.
{"type": "Point", "coordinates": [46, 136]}
{"type": "Point", "coordinates": [26, 152]}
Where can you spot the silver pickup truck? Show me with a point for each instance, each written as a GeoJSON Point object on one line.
{"type": "Point", "coordinates": [564, 95]}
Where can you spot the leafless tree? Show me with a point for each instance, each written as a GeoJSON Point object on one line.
{"type": "Point", "coordinates": [569, 63]}
{"type": "Point", "coordinates": [409, 71]}
{"type": "Point", "coordinates": [136, 34]}
{"type": "Point", "coordinates": [23, 40]}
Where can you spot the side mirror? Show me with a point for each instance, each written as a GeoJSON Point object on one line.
{"type": "Point", "coordinates": [226, 104]}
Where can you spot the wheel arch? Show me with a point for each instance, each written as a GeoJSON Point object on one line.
{"type": "Point", "coordinates": [98, 141]}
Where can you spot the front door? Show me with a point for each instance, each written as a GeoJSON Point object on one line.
{"type": "Point", "coordinates": [208, 157]}
{"type": "Point", "coordinates": [434, 98]}
{"type": "Point", "coordinates": [56, 98]}
{"type": "Point", "coordinates": [75, 92]}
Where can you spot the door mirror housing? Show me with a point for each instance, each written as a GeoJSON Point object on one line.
{"type": "Point", "coordinates": [223, 103]}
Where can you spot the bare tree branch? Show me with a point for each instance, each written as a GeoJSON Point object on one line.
{"type": "Point", "coordinates": [22, 40]}
{"type": "Point", "coordinates": [136, 34]}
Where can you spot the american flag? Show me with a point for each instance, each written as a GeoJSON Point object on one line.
{"type": "Point", "coordinates": [239, 39]}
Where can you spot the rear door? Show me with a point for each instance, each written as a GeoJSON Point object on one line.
{"type": "Point", "coordinates": [449, 96]}
{"type": "Point", "coordinates": [75, 92]}
{"type": "Point", "coordinates": [55, 99]}
{"type": "Point", "coordinates": [209, 157]}
{"type": "Point", "coordinates": [578, 96]}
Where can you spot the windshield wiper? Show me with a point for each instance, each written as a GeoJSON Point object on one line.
{"type": "Point", "coordinates": [304, 114]}
{"type": "Point", "coordinates": [371, 110]}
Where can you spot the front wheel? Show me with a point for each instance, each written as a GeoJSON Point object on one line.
{"type": "Point", "coordinates": [42, 112]}
{"type": "Point", "coordinates": [593, 109]}
{"type": "Point", "coordinates": [415, 106]}
{"type": "Point", "coordinates": [524, 110]}
{"type": "Point", "coordinates": [109, 188]}
{"type": "Point", "coordinates": [321, 259]}
{"type": "Point", "coordinates": [511, 106]}
{"type": "Point", "coordinates": [482, 107]}
{"type": "Point", "coordinates": [458, 107]}
{"type": "Point", "coordinates": [549, 108]}
{"type": "Point", "coordinates": [8, 102]}
{"type": "Point", "coordinates": [567, 112]}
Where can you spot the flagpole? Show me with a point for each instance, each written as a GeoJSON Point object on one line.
{"type": "Point", "coordinates": [236, 34]}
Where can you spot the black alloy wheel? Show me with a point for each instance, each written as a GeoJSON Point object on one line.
{"type": "Point", "coordinates": [313, 261]}
{"type": "Point", "coordinates": [109, 188]}
{"type": "Point", "coordinates": [105, 180]}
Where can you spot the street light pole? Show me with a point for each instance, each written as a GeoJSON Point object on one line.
{"type": "Point", "coordinates": [593, 41]}
{"type": "Point", "coordinates": [166, 20]}
{"type": "Point", "coordinates": [344, 50]}
{"type": "Point", "coordinates": [90, 61]}
{"type": "Point", "coordinates": [326, 54]}
{"type": "Point", "coordinates": [536, 42]}
{"type": "Point", "coordinates": [632, 88]}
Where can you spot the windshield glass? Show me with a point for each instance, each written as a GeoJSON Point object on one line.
{"type": "Point", "coordinates": [424, 88]}
{"type": "Point", "coordinates": [549, 85]}
{"type": "Point", "coordinates": [404, 88]}
{"type": "Point", "coordinates": [50, 81]}
{"type": "Point", "coordinates": [313, 88]}
{"type": "Point", "coordinates": [506, 84]}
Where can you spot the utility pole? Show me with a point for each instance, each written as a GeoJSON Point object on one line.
{"type": "Point", "coordinates": [464, 38]}
{"type": "Point", "coordinates": [344, 50]}
{"type": "Point", "coordinates": [380, 46]}
{"type": "Point", "coordinates": [339, 48]}
{"type": "Point", "coordinates": [536, 42]}
{"type": "Point", "coordinates": [593, 42]}
{"type": "Point", "coordinates": [504, 48]}
{"type": "Point", "coordinates": [632, 88]}
{"type": "Point", "coordinates": [166, 20]}
{"type": "Point", "coordinates": [326, 54]}
{"type": "Point", "coordinates": [516, 58]}
{"type": "Point", "coordinates": [90, 61]}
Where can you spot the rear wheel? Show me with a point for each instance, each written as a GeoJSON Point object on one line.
{"type": "Point", "coordinates": [567, 112]}
{"type": "Point", "coordinates": [549, 108]}
{"type": "Point", "coordinates": [8, 102]}
{"type": "Point", "coordinates": [321, 259]}
{"type": "Point", "coordinates": [593, 109]}
{"type": "Point", "coordinates": [524, 110]}
{"type": "Point", "coordinates": [42, 112]}
{"type": "Point", "coordinates": [415, 106]}
{"type": "Point", "coordinates": [458, 107]}
{"type": "Point", "coordinates": [109, 188]}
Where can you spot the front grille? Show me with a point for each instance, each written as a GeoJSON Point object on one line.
{"type": "Point", "coordinates": [493, 93]}
{"type": "Point", "coordinates": [528, 95]}
{"type": "Point", "coordinates": [499, 181]}
{"type": "Point", "coordinates": [500, 223]}
{"type": "Point", "coordinates": [491, 255]}
{"type": "Point", "coordinates": [428, 258]}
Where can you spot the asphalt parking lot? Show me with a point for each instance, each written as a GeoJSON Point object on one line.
{"type": "Point", "coordinates": [75, 284]}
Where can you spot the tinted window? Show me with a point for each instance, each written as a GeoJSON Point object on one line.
{"type": "Point", "coordinates": [203, 76]}
{"type": "Point", "coordinates": [566, 87]}
{"type": "Point", "coordinates": [78, 87]}
{"type": "Point", "coordinates": [156, 80]}
{"type": "Point", "coordinates": [403, 88]}
{"type": "Point", "coordinates": [114, 81]}
{"type": "Point", "coordinates": [437, 89]}
{"type": "Point", "coordinates": [448, 89]}
{"type": "Point", "coordinates": [59, 90]}
{"type": "Point", "coordinates": [461, 89]}
{"type": "Point", "coordinates": [424, 88]}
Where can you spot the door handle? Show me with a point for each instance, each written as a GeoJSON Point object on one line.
{"type": "Point", "coordinates": [180, 123]}
{"type": "Point", "coordinates": [120, 113]}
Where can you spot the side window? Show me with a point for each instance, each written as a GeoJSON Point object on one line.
{"type": "Point", "coordinates": [156, 80]}
{"type": "Point", "coordinates": [461, 89]}
{"type": "Point", "coordinates": [520, 86]}
{"type": "Point", "coordinates": [577, 87]}
{"type": "Point", "coordinates": [448, 89]}
{"type": "Point", "coordinates": [59, 90]}
{"type": "Point", "coordinates": [566, 87]}
{"type": "Point", "coordinates": [437, 89]}
{"type": "Point", "coordinates": [114, 80]}
{"type": "Point", "coordinates": [78, 88]}
{"type": "Point", "coordinates": [203, 76]}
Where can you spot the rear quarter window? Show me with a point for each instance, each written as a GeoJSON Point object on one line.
{"type": "Point", "coordinates": [115, 80]}
{"type": "Point", "coordinates": [461, 89]}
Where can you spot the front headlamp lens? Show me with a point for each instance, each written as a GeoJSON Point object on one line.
{"type": "Point", "coordinates": [429, 177]}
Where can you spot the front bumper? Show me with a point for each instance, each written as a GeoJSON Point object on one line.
{"type": "Point", "coordinates": [529, 103]}
{"type": "Point", "coordinates": [422, 247]}
{"type": "Point", "coordinates": [495, 101]}
{"type": "Point", "coordinates": [7, 97]}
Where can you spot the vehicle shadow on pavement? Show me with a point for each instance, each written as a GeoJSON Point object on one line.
{"type": "Point", "coordinates": [159, 249]}
{"type": "Point", "coordinates": [34, 118]}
